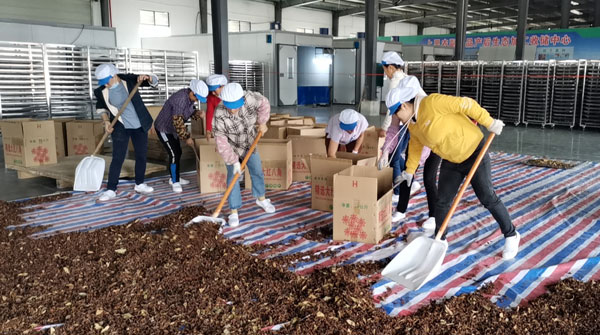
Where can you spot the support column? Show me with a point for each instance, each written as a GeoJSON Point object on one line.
{"type": "Point", "coordinates": [381, 27]}
{"type": "Point", "coordinates": [597, 13]}
{"type": "Point", "coordinates": [420, 27]}
{"type": "Point", "coordinates": [278, 12]}
{"type": "Point", "coordinates": [335, 23]}
{"type": "Point", "coordinates": [565, 12]}
{"type": "Point", "coordinates": [220, 36]}
{"type": "Point", "coordinates": [371, 105]}
{"type": "Point", "coordinates": [105, 13]}
{"type": "Point", "coordinates": [521, 28]}
{"type": "Point", "coordinates": [203, 17]}
{"type": "Point", "coordinates": [462, 7]}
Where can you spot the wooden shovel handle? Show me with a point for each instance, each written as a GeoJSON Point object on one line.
{"type": "Point", "coordinates": [114, 121]}
{"type": "Point", "coordinates": [237, 175]}
{"type": "Point", "coordinates": [464, 186]}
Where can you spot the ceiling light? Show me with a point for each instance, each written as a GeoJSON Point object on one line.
{"type": "Point", "coordinates": [574, 3]}
{"type": "Point", "coordinates": [576, 12]}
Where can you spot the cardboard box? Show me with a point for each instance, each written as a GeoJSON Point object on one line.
{"type": "Point", "coordinates": [302, 148]}
{"type": "Point", "coordinates": [320, 125]}
{"type": "Point", "coordinates": [83, 136]}
{"type": "Point", "coordinates": [280, 115]}
{"type": "Point", "coordinates": [211, 169]}
{"type": "Point", "coordinates": [362, 204]}
{"type": "Point", "coordinates": [198, 127]}
{"type": "Point", "coordinates": [60, 135]}
{"type": "Point", "coordinates": [322, 170]}
{"type": "Point", "coordinates": [372, 143]}
{"type": "Point", "coordinates": [276, 133]}
{"type": "Point", "coordinates": [154, 111]}
{"type": "Point", "coordinates": [278, 123]}
{"type": "Point", "coordinates": [302, 131]}
{"type": "Point", "coordinates": [276, 157]}
{"type": "Point", "coordinates": [309, 121]}
{"type": "Point", "coordinates": [28, 142]}
{"type": "Point", "coordinates": [295, 120]}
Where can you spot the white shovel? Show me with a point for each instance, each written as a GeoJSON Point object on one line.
{"type": "Point", "coordinates": [90, 171]}
{"type": "Point", "coordinates": [421, 260]}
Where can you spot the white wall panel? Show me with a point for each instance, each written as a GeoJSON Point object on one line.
{"type": "Point", "coordinates": [57, 34]}
{"type": "Point", "coordinates": [55, 11]}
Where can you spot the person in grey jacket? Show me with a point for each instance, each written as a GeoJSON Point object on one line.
{"type": "Point", "coordinates": [113, 89]}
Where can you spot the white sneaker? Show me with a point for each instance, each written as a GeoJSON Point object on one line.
{"type": "Point", "coordinates": [415, 187]}
{"type": "Point", "coordinates": [397, 216]}
{"type": "Point", "coordinates": [181, 181]}
{"type": "Point", "coordinates": [143, 189]}
{"type": "Point", "coordinates": [395, 197]}
{"type": "Point", "coordinates": [177, 188]}
{"type": "Point", "coordinates": [429, 224]}
{"type": "Point", "coordinates": [266, 205]}
{"type": "Point", "coordinates": [233, 220]}
{"type": "Point", "coordinates": [511, 247]}
{"type": "Point", "coordinates": [107, 195]}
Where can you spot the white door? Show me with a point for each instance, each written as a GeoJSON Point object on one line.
{"type": "Point", "coordinates": [288, 75]}
{"type": "Point", "coordinates": [344, 76]}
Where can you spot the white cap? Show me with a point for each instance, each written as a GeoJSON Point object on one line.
{"type": "Point", "coordinates": [410, 81]}
{"type": "Point", "coordinates": [104, 72]}
{"type": "Point", "coordinates": [398, 96]}
{"type": "Point", "coordinates": [214, 81]}
{"type": "Point", "coordinates": [200, 89]}
{"type": "Point", "coordinates": [392, 58]}
{"type": "Point", "coordinates": [232, 95]}
{"type": "Point", "coordinates": [348, 119]}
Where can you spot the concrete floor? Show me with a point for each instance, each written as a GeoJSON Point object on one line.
{"type": "Point", "coordinates": [557, 143]}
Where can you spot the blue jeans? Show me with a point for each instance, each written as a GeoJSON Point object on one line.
{"type": "Point", "coordinates": [254, 167]}
{"type": "Point", "coordinates": [120, 137]}
{"type": "Point", "coordinates": [397, 162]}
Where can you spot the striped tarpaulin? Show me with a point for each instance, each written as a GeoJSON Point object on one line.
{"type": "Point", "coordinates": [557, 213]}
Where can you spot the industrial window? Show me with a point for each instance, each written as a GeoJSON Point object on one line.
{"type": "Point", "coordinates": [239, 26]}
{"type": "Point", "coordinates": [154, 18]}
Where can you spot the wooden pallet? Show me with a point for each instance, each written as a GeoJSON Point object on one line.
{"type": "Point", "coordinates": [64, 170]}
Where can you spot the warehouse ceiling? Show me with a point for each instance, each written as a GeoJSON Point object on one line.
{"type": "Point", "coordinates": [483, 14]}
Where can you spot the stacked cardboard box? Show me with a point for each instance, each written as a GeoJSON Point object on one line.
{"type": "Point", "coordinates": [60, 136]}
{"type": "Point", "coordinates": [302, 148]}
{"type": "Point", "coordinates": [83, 136]}
{"type": "Point", "coordinates": [211, 170]}
{"type": "Point", "coordinates": [362, 204]}
{"type": "Point", "coordinates": [372, 143]}
{"type": "Point", "coordinates": [276, 158]}
{"type": "Point", "coordinates": [322, 170]}
{"type": "Point", "coordinates": [28, 142]}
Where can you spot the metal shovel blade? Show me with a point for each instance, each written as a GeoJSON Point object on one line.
{"type": "Point", "coordinates": [89, 174]}
{"type": "Point", "coordinates": [419, 262]}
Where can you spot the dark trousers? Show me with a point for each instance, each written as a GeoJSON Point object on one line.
{"type": "Point", "coordinates": [452, 175]}
{"type": "Point", "coordinates": [430, 170]}
{"type": "Point", "coordinates": [171, 144]}
{"type": "Point", "coordinates": [120, 137]}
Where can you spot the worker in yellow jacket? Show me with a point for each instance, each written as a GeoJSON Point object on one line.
{"type": "Point", "coordinates": [444, 124]}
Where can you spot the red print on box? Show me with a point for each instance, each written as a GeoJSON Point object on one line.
{"type": "Point", "coordinates": [80, 149]}
{"type": "Point", "coordinates": [217, 179]}
{"type": "Point", "coordinates": [355, 226]}
{"type": "Point", "coordinates": [40, 155]}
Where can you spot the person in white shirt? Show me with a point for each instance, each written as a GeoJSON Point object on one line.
{"type": "Point", "coordinates": [345, 132]}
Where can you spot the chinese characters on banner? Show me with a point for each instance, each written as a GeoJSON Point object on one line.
{"type": "Point", "coordinates": [504, 40]}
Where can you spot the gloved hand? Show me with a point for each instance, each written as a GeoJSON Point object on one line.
{"type": "Point", "coordinates": [496, 127]}
{"type": "Point", "coordinates": [263, 128]}
{"type": "Point", "coordinates": [237, 168]}
{"type": "Point", "coordinates": [405, 176]}
{"type": "Point", "coordinates": [383, 161]}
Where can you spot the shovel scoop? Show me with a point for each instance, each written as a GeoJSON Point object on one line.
{"type": "Point", "coordinates": [421, 260]}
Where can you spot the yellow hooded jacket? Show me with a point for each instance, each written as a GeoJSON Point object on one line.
{"type": "Point", "coordinates": [443, 124]}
